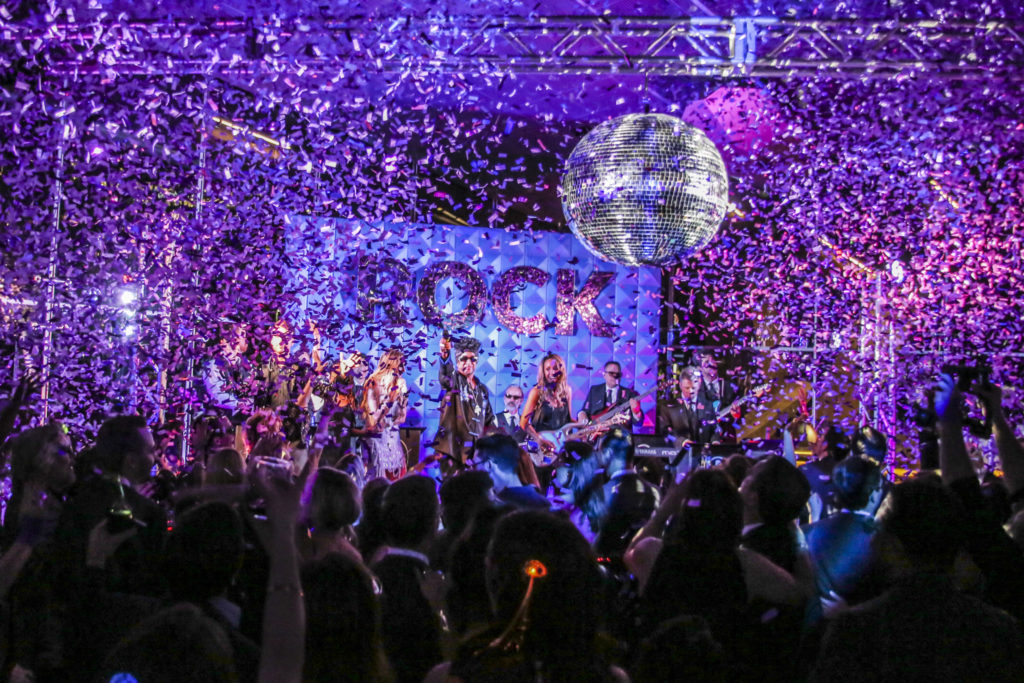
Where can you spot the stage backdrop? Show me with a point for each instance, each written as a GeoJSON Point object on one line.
{"type": "Point", "coordinates": [373, 286]}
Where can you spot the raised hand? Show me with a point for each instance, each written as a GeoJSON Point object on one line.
{"type": "Point", "coordinates": [947, 399]}
{"type": "Point", "coordinates": [991, 397]}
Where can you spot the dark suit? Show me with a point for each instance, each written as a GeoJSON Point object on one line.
{"type": "Point", "coordinates": [777, 542]}
{"type": "Point", "coordinates": [922, 629]}
{"type": "Point", "coordinates": [630, 500]}
{"type": "Point", "coordinates": [685, 423]}
{"type": "Point", "coordinates": [510, 425]}
{"type": "Point", "coordinates": [779, 628]}
{"type": "Point", "coordinates": [597, 399]}
{"type": "Point", "coordinates": [135, 567]}
{"type": "Point", "coordinates": [718, 396]}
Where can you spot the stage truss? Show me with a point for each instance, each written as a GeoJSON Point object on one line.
{"type": "Point", "coordinates": [713, 47]}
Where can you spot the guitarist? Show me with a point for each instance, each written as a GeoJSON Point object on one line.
{"type": "Point", "coordinates": [601, 397]}
{"type": "Point", "coordinates": [717, 393]}
{"type": "Point", "coordinates": [689, 419]}
{"type": "Point", "coordinates": [549, 404]}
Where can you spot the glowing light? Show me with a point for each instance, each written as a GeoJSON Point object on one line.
{"type": "Point", "coordinates": [898, 271]}
{"type": "Point", "coordinates": [535, 569]}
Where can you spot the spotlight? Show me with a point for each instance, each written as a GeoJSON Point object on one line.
{"type": "Point", "coordinates": [898, 271]}
{"type": "Point", "coordinates": [127, 297]}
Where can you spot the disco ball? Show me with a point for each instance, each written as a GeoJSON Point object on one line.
{"type": "Point", "coordinates": [644, 189]}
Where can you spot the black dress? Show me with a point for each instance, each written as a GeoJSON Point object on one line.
{"type": "Point", "coordinates": [548, 418]}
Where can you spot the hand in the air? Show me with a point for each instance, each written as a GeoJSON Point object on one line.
{"type": "Point", "coordinates": [947, 399]}
{"type": "Point", "coordinates": [991, 397]}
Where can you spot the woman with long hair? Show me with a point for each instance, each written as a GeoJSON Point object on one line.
{"type": "Point", "coordinates": [343, 634]}
{"type": "Point", "coordinates": [688, 560]}
{"type": "Point", "coordinates": [547, 609]}
{"type": "Point", "coordinates": [548, 405]}
{"type": "Point", "coordinates": [385, 401]}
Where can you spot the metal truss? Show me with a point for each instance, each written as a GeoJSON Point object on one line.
{"type": "Point", "coordinates": [740, 47]}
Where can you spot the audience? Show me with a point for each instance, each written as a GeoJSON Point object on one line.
{"type": "Point", "coordinates": [253, 575]}
{"type": "Point", "coordinates": [499, 456]}
{"type": "Point", "coordinates": [329, 515]}
{"type": "Point", "coordinates": [462, 496]}
{"type": "Point", "coordinates": [922, 628]}
{"type": "Point", "coordinates": [840, 544]}
{"type": "Point", "coordinates": [411, 625]}
{"type": "Point", "coordinates": [544, 587]}
{"type": "Point", "coordinates": [343, 630]}
{"type": "Point", "coordinates": [697, 566]}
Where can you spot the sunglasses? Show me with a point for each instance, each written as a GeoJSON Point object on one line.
{"type": "Point", "coordinates": [612, 373]}
{"type": "Point", "coordinates": [515, 396]}
{"type": "Point", "coordinates": [467, 359]}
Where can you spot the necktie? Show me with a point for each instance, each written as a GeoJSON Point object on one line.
{"type": "Point", "coordinates": [608, 398]}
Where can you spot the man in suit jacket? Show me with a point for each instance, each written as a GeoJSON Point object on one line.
{"type": "Point", "coordinates": [627, 499]}
{"type": "Point", "coordinates": [508, 419]}
{"type": "Point", "coordinates": [610, 394]}
{"type": "Point", "coordinates": [717, 393]}
{"type": "Point", "coordinates": [688, 418]}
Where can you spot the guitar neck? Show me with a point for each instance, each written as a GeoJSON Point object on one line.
{"type": "Point", "coordinates": [612, 412]}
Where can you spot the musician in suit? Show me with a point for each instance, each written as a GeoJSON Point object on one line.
{"type": "Point", "coordinates": [717, 393]}
{"type": "Point", "coordinates": [609, 395]}
{"type": "Point", "coordinates": [549, 404]}
{"type": "Point", "coordinates": [508, 419]}
{"type": "Point", "coordinates": [689, 419]}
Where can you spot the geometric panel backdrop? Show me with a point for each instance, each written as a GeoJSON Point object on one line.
{"type": "Point", "coordinates": [353, 268]}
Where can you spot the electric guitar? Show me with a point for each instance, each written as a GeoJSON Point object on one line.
{"type": "Point", "coordinates": [602, 421]}
{"type": "Point", "coordinates": [738, 402]}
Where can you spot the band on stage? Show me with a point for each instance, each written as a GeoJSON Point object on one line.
{"type": "Point", "coordinates": [366, 409]}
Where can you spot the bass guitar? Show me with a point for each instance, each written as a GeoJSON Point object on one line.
{"type": "Point", "coordinates": [611, 417]}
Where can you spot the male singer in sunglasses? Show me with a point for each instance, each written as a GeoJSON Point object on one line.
{"type": "Point", "coordinates": [475, 413]}
{"type": "Point", "coordinates": [603, 397]}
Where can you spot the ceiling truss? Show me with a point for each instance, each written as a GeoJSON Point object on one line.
{"type": "Point", "coordinates": [714, 47]}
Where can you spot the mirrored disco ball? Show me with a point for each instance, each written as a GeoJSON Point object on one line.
{"type": "Point", "coordinates": [644, 189]}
